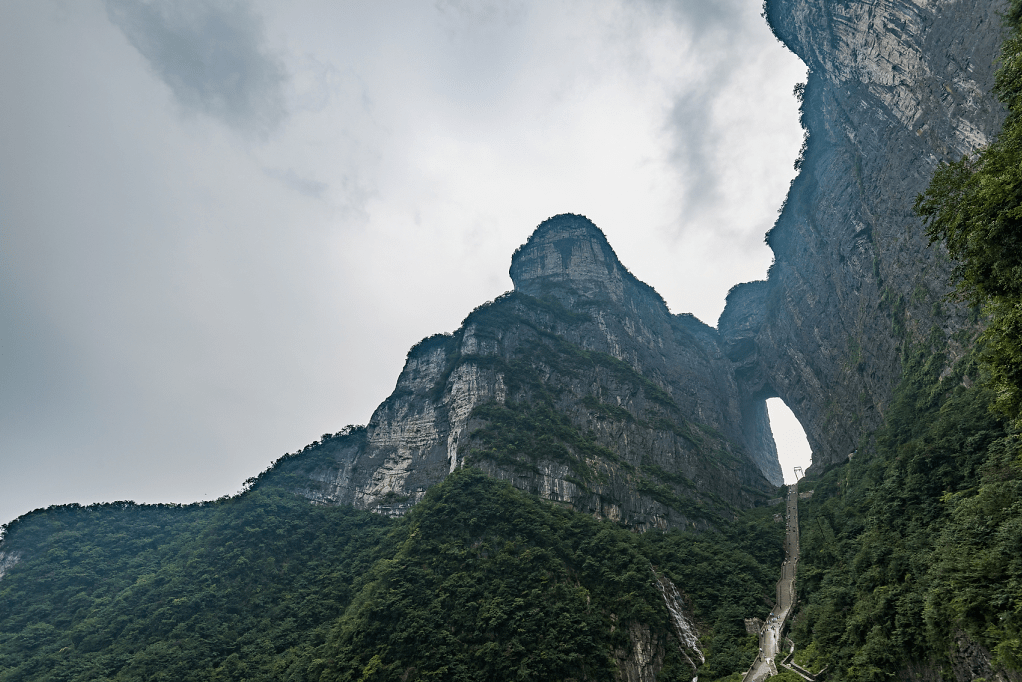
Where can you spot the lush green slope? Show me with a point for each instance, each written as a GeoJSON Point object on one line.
{"type": "Point", "coordinates": [916, 539]}
{"type": "Point", "coordinates": [973, 207]}
{"type": "Point", "coordinates": [479, 581]}
{"type": "Point", "coordinates": [216, 591]}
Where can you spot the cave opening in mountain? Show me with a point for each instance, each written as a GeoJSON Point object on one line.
{"type": "Point", "coordinates": [792, 446]}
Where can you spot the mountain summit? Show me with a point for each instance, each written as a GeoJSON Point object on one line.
{"type": "Point", "coordinates": [568, 252]}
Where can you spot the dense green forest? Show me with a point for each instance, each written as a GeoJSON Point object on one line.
{"type": "Point", "coordinates": [917, 540]}
{"type": "Point", "coordinates": [478, 581]}
{"type": "Point", "coordinates": [912, 552]}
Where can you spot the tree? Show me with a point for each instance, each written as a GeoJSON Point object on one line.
{"type": "Point", "coordinates": [974, 207]}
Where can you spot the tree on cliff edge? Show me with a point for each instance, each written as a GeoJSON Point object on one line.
{"type": "Point", "coordinates": [974, 206]}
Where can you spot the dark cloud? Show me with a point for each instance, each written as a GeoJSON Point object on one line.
{"type": "Point", "coordinates": [211, 54]}
{"type": "Point", "coordinates": [691, 120]}
{"type": "Point", "coordinates": [727, 44]}
{"type": "Point", "coordinates": [704, 17]}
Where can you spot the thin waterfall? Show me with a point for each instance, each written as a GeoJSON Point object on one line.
{"type": "Point", "coordinates": [683, 627]}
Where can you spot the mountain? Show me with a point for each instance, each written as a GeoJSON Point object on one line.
{"type": "Point", "coordinates": [894, 89]}
{"type": "Point", "coordinates": [485, 523]}
{"type": "Point", "coordinates": [579, 385]}
{"type": "Point", "coordinates": [507, 471]}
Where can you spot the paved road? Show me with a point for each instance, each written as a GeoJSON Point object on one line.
{"type": "Point", "coordinates": [770, 642]}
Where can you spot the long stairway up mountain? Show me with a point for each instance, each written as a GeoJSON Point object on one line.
{"type": "Point", "coordinates": [771, 635]}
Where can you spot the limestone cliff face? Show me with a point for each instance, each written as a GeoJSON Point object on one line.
{"type": "Point", "coordinates": [580, 386]}
{"type": "Point", "coordinates": [895, 87]}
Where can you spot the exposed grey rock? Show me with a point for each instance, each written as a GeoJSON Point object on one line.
{"type": "Point", "coordinates": [647, 425]}
{"type": "Point", "coordinates": [8, 559]}
{"type": "Point", "coordinates": [967, 659]}
{"type": "Point", "coordinates": [894, 89]}
{"type": "Point", "coordinates": [646, 658]}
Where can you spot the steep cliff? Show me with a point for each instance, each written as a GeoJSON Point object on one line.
{"type": "Point", "coordinates": [909, 559]}
{"type": "Point", "coordinates": [579, 385]}
{"type": "Point", "coordinates": [657, 416]}
{"type": "Point", "coordinates": [894, 89]}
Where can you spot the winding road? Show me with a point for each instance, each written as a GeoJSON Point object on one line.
{"type": "Point", "coordinates": [770, 641]}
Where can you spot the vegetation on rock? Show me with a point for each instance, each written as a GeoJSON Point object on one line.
{"type": "Point", "coordinates": [478, 581]}
{"type": "Point", "coordinates": [913, 550]}
{"type": "Point", "coordinates": [897, 559]}
{"type": "Point", "coordinates": [974, 208]}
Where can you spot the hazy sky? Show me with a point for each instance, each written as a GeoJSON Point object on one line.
{"type": "Point", "coordinates": [223, 223]}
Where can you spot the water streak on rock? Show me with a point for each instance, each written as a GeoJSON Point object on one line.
{"type": "Point", "coordinates": [683, 627]}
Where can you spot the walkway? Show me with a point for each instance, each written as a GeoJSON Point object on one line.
{"type": "Point", "coordinates": [770, 641]}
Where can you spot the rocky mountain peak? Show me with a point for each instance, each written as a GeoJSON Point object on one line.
{"type": "Point", "coordinates": [568, 256]}
{"type": "Point", "coordinates": [579, 386]}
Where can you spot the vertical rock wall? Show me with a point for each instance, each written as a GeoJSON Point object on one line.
{"type": "Point", "coordinates": [895, 87]}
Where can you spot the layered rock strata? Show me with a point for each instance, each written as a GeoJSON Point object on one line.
{"type": "Point", "coordinates": [579, 385]}
{"type": "Point", "coordinates": [894, 88]}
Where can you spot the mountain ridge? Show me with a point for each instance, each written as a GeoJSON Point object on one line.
{"type": "Point", "coordinates": [585, 392]}
{"type": "Point", "coordinates": [643, 402]}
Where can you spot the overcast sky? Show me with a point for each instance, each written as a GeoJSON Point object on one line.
{"type": "Point", "coordinates": [223, 224]}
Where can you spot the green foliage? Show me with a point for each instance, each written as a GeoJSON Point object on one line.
{"type": "Point", "coordinates": [667, 497]}
{"type": "Point", "coordinates": [530, 577]}
{"type": "Point", "coordinates": [606, 410]}
{"type": "Point", "coordinates": [478, 581]}
{"type": "Point", "coordinates": [799, 91]}
{"type": "Point", "coordinates": [977, 574]}
{"type": "Point", "coordinates": [735, 572]}
{"type": "Point", "coordinates": [808, 658]}
{"type": "Point", "coordinates": [521, 434]}
{"type": "Point", "coordinates": [974, 207]}
{"type": "Point", "coordinates": [242, 588]}
{"type": "Point", "coordinates": [918, 539]}
{"type": "Point", "coordinates": [547, 352]}
{"type": "Point", "coordinates": [893, 562]}
{"type": "Point", "coordinates": [671, 477]}
{"type": "Point", "coordinates": [785, 675]}
{"type": "Point", "coordinates": [538, 420]}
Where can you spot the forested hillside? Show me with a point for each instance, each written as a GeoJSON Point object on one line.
{"type": "Point", "coordinates": [912, 552]}
{"type": "Point", "coordinates": [478, 581]}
